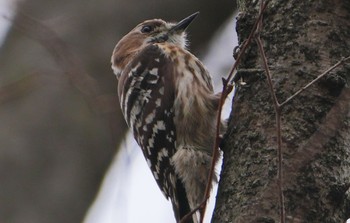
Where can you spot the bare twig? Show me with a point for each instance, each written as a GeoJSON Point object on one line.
{"type": "Point", "coordinates": [280, 165]}
{"type": "Point", "coordinates": [342, 61]}
{"type": "Point", "coordinates": [227, 88]}
{"type": "Point", "coordinates": [189, 215]}
{"type": "Point", "coordinates": [231, 78]}
{"type": "Point", "coordinates": [277, 108]}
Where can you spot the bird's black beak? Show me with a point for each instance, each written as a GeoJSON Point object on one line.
{"type": "Point", "coordinates": [183, 24]}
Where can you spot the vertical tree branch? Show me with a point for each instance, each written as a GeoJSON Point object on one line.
{"type": "Point", "coordinates": [277, 108]}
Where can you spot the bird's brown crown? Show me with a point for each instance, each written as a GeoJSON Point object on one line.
{"type": "Point", "coordinates": [146, 33]}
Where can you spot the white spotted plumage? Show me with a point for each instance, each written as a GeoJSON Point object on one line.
{"type": "Point", "coordinates": [167, 99]}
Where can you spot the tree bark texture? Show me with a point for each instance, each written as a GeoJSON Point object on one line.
{"type": "Point", "coordinates": [302, 38]}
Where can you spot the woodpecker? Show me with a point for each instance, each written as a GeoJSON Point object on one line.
{"type": "Point", "coordinates": [167, 99]}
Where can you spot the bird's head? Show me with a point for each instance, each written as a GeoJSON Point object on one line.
{"type": "Point", "coordinates": [149, 32]}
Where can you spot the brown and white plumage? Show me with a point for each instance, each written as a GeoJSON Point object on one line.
{"type": "Point", "coordinates": [167, 99]}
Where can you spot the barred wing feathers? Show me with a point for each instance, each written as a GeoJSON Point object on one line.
{"type": "Point", "coordinates": [146, 91]}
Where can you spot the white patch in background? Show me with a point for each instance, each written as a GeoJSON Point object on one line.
{"type": "Point", "coordinates": [7, 12]}
{"type": "Point", "coordinates": [129, 193]}
{"type": "Point", "coordinates": [219, 58]}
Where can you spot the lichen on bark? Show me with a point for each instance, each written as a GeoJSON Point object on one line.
{"type": "Point", "coordinates": [301, 40]}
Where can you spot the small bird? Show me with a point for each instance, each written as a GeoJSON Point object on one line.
{"type": "Point", "coordinates": [167, 99]}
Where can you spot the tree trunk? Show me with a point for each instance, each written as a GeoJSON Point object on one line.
{"type": "Point", "coordinates": [301, 39]}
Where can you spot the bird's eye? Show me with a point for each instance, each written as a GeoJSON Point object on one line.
{"type": "Point", "coordinates": [147, 29]}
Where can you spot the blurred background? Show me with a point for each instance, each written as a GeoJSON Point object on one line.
{"type": "Point", "coordinates": [60, 123]}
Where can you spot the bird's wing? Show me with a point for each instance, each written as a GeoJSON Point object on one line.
{"type": "Point", "coordinates": [147, 93]}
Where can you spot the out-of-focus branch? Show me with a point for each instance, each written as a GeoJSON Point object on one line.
{"type": "Point", "coordinates": [67, 61]}
{"type": "Point", "coordinates": [18, 88]}
{"type": "Point", "coordinates": [228, 85]}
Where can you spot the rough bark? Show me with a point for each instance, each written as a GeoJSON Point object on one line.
{"type": "Point", "coordinates": [302, 38]}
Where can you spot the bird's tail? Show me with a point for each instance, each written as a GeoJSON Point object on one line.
{"type": "Point", "coordinates": [181, 206]}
